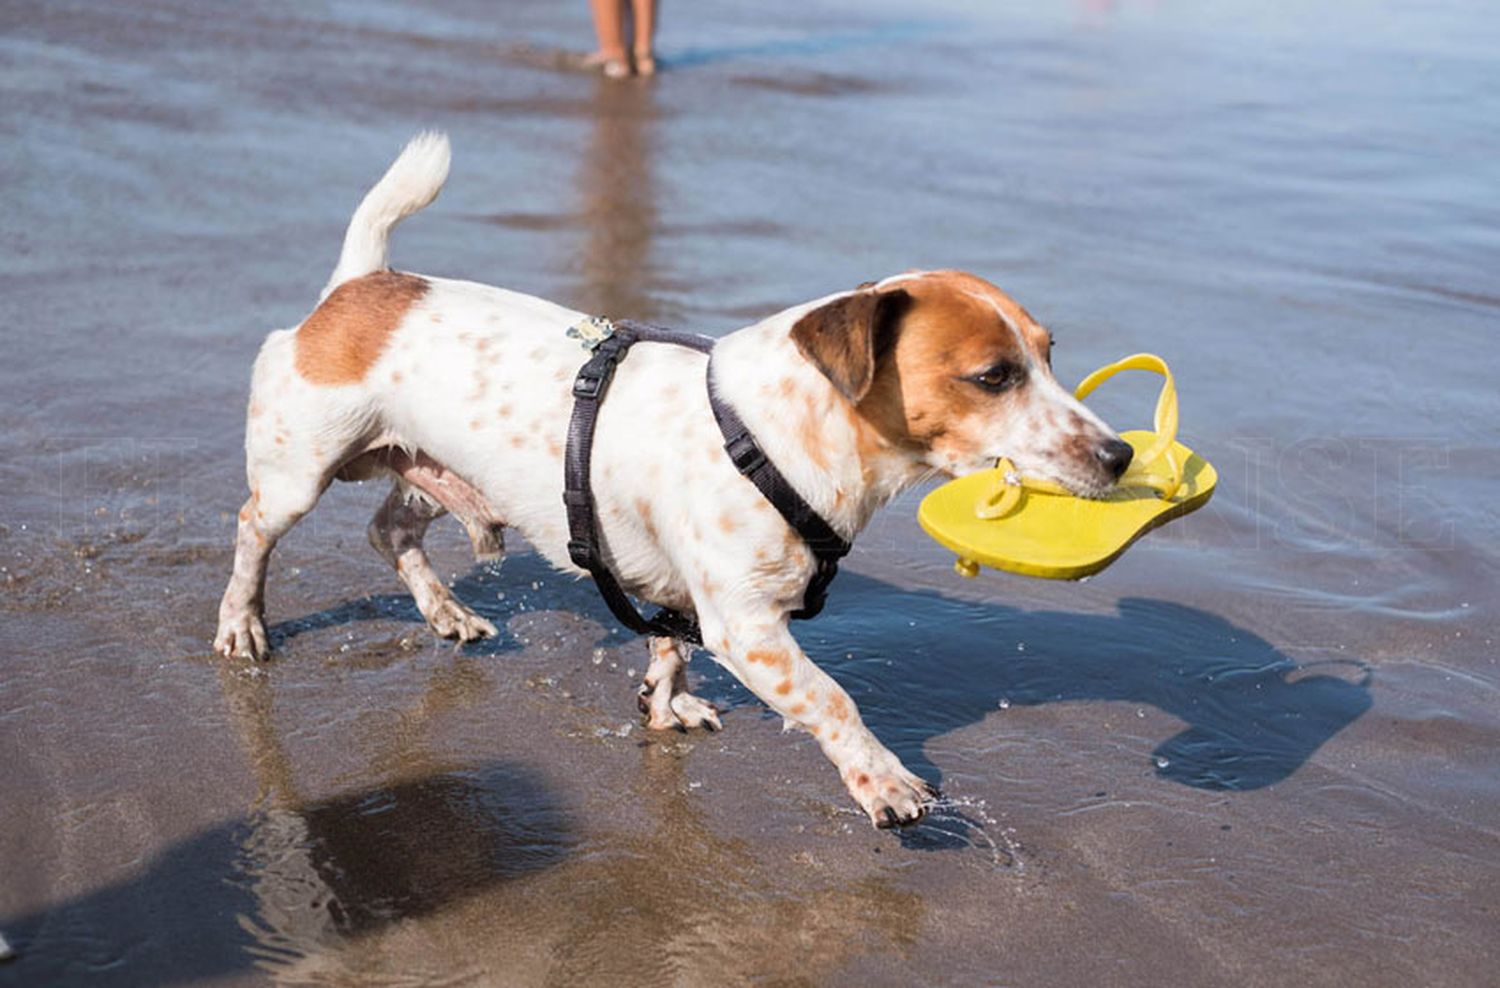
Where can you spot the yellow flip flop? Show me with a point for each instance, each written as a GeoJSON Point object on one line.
{"type": "Point", "coordinates": [1034, 527]}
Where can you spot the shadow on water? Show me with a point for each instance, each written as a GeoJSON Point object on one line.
{"type": "Point", "coordinates": [295, 879]}
{"type": "Point", "coordinates": [1254, 715]}
{"type": "Point", "coordinates": [920, 664]}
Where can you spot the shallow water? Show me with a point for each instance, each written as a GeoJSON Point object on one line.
{"type": "Point", "coordinates": [1257, 750]}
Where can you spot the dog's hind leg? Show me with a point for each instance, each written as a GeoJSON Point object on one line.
{"type": "Point", "coordinates": [663, 695]}
{"type": "Point", "coordinates": [276, 502]}
{"type": "Point", "coordinates": [396, 533]}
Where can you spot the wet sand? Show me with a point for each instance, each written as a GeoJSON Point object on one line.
{"type": "Point", "coordinates": [1258, 750]}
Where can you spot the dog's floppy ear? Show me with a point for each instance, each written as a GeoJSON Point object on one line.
{"type": "Point", "coordinates": [845, 338]}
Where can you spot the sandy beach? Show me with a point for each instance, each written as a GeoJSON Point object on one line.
{"type": "Point", "coordinates": [1258, 750]}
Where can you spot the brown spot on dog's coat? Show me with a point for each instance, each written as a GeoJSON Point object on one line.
{"type": "Point", "coordinates": [774, 658]}
{"type": "Point", "coordinates": [811, 434]}
{"type": "Point", "coordinates": [348, 332]}
{"type": "Point", "coordinates": [643, 509]}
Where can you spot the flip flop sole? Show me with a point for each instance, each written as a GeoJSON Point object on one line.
{"type": "Point", "coordinates": [1056, 536]}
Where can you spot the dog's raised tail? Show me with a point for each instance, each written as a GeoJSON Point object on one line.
{"type": "Point", "coordinates": [412, 181]}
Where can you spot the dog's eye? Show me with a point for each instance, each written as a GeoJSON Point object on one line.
{"type": "Point", "coordinates": [1001, 377]}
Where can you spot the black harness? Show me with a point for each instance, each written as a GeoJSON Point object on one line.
{"type": "Point", "coordinates": [589, 389]}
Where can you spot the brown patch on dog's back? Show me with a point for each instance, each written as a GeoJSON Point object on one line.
{"type": "Point", "coordinates": [348, 332]}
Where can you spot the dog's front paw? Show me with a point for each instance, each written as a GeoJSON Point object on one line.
{"type": "Point", "coordinates": [241, 636]}
{"type": "Point", "coordinates": [450, 619]}
{"type": "Point", "coordinates": [891, 796]}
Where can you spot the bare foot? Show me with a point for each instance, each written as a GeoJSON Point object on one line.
{"type": "Point", "coordinates": [645, 63]}
{"type": "Point", "coordinates": [614, 66]}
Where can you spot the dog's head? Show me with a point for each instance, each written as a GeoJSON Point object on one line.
{"type": "Point", "coordinates": [949, 367]}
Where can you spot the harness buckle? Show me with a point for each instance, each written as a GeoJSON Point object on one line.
{"type": "Point", "coordinates": [594, 377]}
{"type": "Point", "coordinates": [745, 453]}
{"type": "Point", "coordinates": [591, 386]}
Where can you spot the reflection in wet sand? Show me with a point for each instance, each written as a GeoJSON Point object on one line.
{"type": "Point", "coordinates": [679, 903]}
{"type": "Point", "coordinates": [617, 202]}
{"type": "Point", "coordinates": [325, 874]}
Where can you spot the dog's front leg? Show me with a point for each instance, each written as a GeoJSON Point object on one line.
{"type": "Point", "coordinates": [766, 658]}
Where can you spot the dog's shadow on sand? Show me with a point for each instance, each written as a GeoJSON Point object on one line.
{"type": "Point", "coordinates": [921, 664]}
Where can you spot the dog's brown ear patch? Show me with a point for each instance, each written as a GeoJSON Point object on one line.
{"type": "Point", "coordinates": [345, 335]}
{"type": "Point", "coordinates": [846, 337]}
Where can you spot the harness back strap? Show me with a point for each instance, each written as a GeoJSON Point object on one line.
{"type": "Point", "coordinates": [589, 389]}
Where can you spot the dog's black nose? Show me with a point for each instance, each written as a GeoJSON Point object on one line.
{"type": "Point", "coordinates": [1115, 454]}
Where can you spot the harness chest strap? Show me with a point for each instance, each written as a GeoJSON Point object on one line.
{"type": "Point", "coordinates": [609, 343]}
{"type": "Point", "coordinates": [827, 545]}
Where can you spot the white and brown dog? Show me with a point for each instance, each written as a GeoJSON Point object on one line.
{"type": "Point", "coordinates": [463, 392]}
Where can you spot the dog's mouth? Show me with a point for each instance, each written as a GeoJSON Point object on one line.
{"type": "Point", "coordinates": [1060, 474]}
{"type": "Point", "coordinates": [1075, 483]}
{"type": "Point", "coordinates": [1092, 489]}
